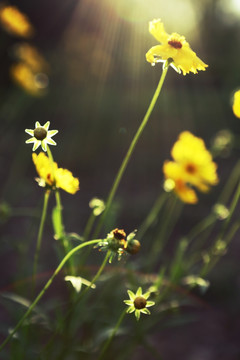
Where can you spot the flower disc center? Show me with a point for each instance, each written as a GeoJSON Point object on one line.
{"type": "Point", "coordinates": [176, 44]}
{"type": "Point", "coordinates": [140, 302]}
{"type": "Point", "coordinates": [190, 168]}
{"type": "Point", "coordinates": [40, 133]}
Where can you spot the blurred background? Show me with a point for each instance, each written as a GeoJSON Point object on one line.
{"type": "Point", "coordinates": [90, 79]}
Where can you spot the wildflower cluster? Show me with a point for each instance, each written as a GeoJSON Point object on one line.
{"type": "Point", "coordinates": [119, 243]}
{"type": "Point", "coordinates": [192, 166]}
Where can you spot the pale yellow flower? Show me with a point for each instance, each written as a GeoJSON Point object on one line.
{"type": "Point", "coordinates": [236, 104]}
{"type": "Point", "coordinates": [138, 303]}
{"type": "Point", "coordinates": [53, 176]}
{"type": "Point", "coordinates": [173, 47]}
{"type": "Point", "coordinates": [192, 166]}
{"type": "Point", "coordinates": [41, 136]}
{"type": "Point", "coordinates": [15, 22]}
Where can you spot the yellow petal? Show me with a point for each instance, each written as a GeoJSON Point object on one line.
{"type": "Point", "coordinates": [66, 181]}
{"type": "Point", "coordinates": [236, 104]}
{"type": "Point", "coordinates": [156, 28]}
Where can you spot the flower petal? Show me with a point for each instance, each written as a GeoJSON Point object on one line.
{"type": "Point", "coordinates": [50, 141]}
{"type": "Point", "coordinates": [29, 132]}
{"type": "Point", "coordinates": [52, 132]}
{"type": "Point", "coordinates": [36, 145]}
{"type": "Point", "coordinates": [44, 145]}
{"type": "Point", "coordinates": [31, 140]}
{"type": "Point", "coordinates": [131, 295]}
{"type": "Point", "coordinates": [139, 292]}
{"type": "Point", "coordinates": [46, 125]}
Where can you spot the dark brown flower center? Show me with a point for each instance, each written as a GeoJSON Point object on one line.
{"type": "Point", "coordinates": [119, 234]}
{"type": "Point", "coordinates": [40, 133]}
{"type": "Point", "coordinates": [190, 168]}
{"type": "Point", "coordinates": [174, 43]}
{"type": "Point", "coordinates": [140, 302]}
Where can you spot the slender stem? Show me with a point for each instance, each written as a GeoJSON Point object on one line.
{"type": "Point", "coordinates": [40, 233]}
{"type": "Point", "coordinates": [96, 276]}
{"type": "Point", "coordinates": [42, 292]}
{"type": "Point", "coordinates": [152, 216]}
{"type": "Point", "coordinates": [130, 151]}
{"type": "Point", "coordinates": [67, 318]}
{"type": "Point", "coordinates": [89, 226]}
{"type": "Point", "coordinates": [109, 340]}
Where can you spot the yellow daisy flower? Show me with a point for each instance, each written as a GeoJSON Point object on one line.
{"type": "Point", "coordinates": [53, 176]}
{"type": "Point", "coordinates": [15, 22]}
{"type": "Point", "coordinates": [192, 166]}
{"type": "Point", "coordinates": [173, 47]}
{"type": "Point", "coordinates": [236, 104]}
{"type": "Point", "coordinates": [41, 136]}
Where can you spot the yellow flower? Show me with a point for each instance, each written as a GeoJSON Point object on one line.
{"type": "Point", "coordinates": [15, 22]}
{"type": "Point", "coordinates": [173, 47]}
{"type": "Point", "coordinates": [33, 83]}
{"type": "Point", "coordinates": [236, 104]}
{"type": "Point", "coordinates": [53, 176]}
{"type": "Point", "coordinates": [192, 166]}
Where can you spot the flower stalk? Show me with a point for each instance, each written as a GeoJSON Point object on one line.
{"type": "Point", "coordinates": [131, 148]}
{"type": "Point", "coordinates": [49, 282]}
{"type": "Point", "coordinates": [40, 234]}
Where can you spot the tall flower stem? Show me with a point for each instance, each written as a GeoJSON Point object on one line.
{"type": "Point", "coordinates": [49, 282]}
{"type": "Point", "coordinates": [40, 234]}
{"type": "Point", "coordinates": [109, 340]}
{"type": "Point", "coordinates": [130, 150]}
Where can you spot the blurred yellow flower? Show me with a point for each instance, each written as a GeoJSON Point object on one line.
{"type": "Point", "coordinates": [236, 104]}
{"type": "Point", "coordinates": [173, 47]}
{"type": "Point", "coordinates": [33, 83]}
{"type": "Point", "coordinates": [15, 22]}
{"type": "Point", "coordinates": [30, 56]}
{"type": "Point", "coordinates": [53, 176]}
{"type": "Point", "coordinates": [192, 166]}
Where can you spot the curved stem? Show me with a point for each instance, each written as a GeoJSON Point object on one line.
{"type": "Point", "coordinates": [40, 233]}
{"type": "Point", "coordinates": [130, 151]}
{"type": "Point", "coordinates": [109, 340]}
{"type": "Point", "coordinates": [42, 292]}
{"type": "Point", "coordinates": [71, 310]}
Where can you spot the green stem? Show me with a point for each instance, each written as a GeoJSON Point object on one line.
{"type": "Point", "coordinates": [42, 292]}
{"type": "Point", "coordinates": [89, 226]}
{"type": "Point", "coordinates": [40, 233]}
{"type": "Point", "coordinates": [130, 151]}
{"type": "Point", "coordinates": [100, 270]}
{"type": "Point", "coordinates": [109, 340]}
{"type": "Point", "coordinates": [152, 216]}
{"type": "Point", "coordinates": [67, 318]}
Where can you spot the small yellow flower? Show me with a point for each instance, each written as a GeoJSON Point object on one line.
{"type": "Point", "coordinates": [30, 56]}
{"type": "Point", "coordinates": [33, 83]}
{"type": "Point", "coordinates": [15, 22]}
{"type": "Point", "coordinates": [192, 166]}
{"type": "Point", "coordinates": [41, 136]}
{"type": "Point", "coordinates": [173, 47]}
{"type": "Point", "coordinates": [138, 303]}
{"type": "Point", "coordinates": [236, 104]}
{"type": "Point", "coordinates": [53, 176]}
